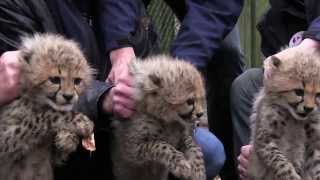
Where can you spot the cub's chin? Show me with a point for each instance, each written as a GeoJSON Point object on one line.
{"type": "Point", "coordinates": [59, 107]}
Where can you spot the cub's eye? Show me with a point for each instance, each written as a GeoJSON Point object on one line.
{"type": "Point", "coordinates": [190, 101]}
{"type": "Point", "coordinates": [77, 81]}
{"type": "Point", "coordinates": [55, 80]}
{"type": "Point", "coordinates": [299, 92]}
{"type": "Point", "coordinates": [318, 95]}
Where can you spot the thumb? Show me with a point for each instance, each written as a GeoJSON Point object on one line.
{"type": "Point", "coordinates": [111, 77]}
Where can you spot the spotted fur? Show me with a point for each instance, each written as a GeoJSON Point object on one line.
{"type": "Point", "coordinates": [39, 127]}
{"type": "Point", "coordinates": [158, 139]}
{"type": "Point", "coordinates": [286, 119]}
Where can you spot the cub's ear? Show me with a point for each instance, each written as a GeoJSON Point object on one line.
{"type": "Point", "coordinates": [25, 56]}
{"type": "Point", "coordinates": [272, 62]}
{"type": "Point", "coordinates": [270, 65]}
{"type": "Point", "coordinates": [275, 61]}
{"type": "Point", "coordinates": [153, 82]}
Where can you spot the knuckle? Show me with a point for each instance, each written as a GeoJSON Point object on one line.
{"type": "Point", "coordinates": [4, 55]}
{"type": "Point", "coordinates": [117, 100]}
{"type": "Point", "coordinates": [117, 88]}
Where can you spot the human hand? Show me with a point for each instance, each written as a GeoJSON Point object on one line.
{"type": "Point", "coordinates": [309, 44]}
{"type": "Point", "coordinates": [243, 161]}
{"type": "Point", "coordinates": [9, 76]}
{"type": "Point", "coordinates": [120, 100]}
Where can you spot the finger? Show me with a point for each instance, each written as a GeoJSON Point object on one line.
{"type": "Point", "coordinates": [243, 177]}
{"type": "Point", "coordinates": [110, 78]}
{"type": "Point", "coordinates": [125, 79]}
{"type": "Point", "coordinates": [242, 172]}
{"type": "Point", "coordinates": [108, 101]}
{"type": "Point", "coordinates": [124, 90]}
{"type": "Point", "coordinates": [13, 74]}
{"type": "Point", "coordinates": [122, 111]}
{"type": "Point", "coordinates": [246, 150]}
{"type": "Point", "coordinates": [124, 101]}
{"type": "Point", "coordinates": [243, 161]}
{"type": "Point", "coordinates": [11, 59]}
{"type": "Point", "coordinates": [12, 79]}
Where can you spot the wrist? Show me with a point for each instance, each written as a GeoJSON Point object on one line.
{"type": "Point", "coordinates": [125, 54]}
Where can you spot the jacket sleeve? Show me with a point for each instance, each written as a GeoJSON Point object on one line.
{"type": "Point", "coordinates": [204, 27]}
{"type": "Point", "coordinates": [90, 104]}
{"type": "Point", "coordinates": [313, 31]}
{"type": "Point", "coordinates": [118, 21]}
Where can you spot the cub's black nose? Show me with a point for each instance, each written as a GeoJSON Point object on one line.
{"type": "Point", "coordinates": [67, 97]}
{"type": "Point", "coordinates": [199, 114]}
{"type": "Point", "coordinates": [307, 110]}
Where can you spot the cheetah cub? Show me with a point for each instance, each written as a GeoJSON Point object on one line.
{"type": "Point", "coordinates": [158, 139]}
{"type": "Point", "coordinates": [40, 128]}
{"type": "Point", "coordinates": [286, 119]}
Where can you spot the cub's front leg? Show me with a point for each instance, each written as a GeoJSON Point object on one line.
{"type": "Point", "coordinates": [83, 125]}
{"type": "Point", "coordinates": [313, 163]}
{"type": "Point", "coordinates": [272, 156]}
{"type": "Point", "coordinates": [194, 155]}
{"type": "Point", "coordinates": [68, 129]}
{"type": "Point", "coordinates": [66, 142]}
{"type": "Point", "coordinates": [77, 123]}
{"type": "Point", "coordinates": [312, 166]}
{"type": "Point", "coordinates": [167, 155]}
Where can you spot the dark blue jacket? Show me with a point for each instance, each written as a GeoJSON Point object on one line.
{"type": "Point", "coordinates": [286, 17]}
{"type": "Point", "coordinates": [204, 25]}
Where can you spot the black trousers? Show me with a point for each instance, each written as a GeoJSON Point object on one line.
{"type": "Point", "coordinates": [225, 66]}
{"type": "Point", "coordinates": [242, 94]}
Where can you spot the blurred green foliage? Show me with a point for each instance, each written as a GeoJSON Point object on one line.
{"type": "Point", "coordinates": [164, 21]}
{"type": "Point", "coordinates": [250, 37]}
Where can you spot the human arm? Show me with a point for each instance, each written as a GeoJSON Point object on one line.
{"type": "Point", "coordinates": [203, 27]}
{"type": "Point", "coordinates": [121, 101]}
{"type": "Point", "coordinates": [115, 96]}
{"type": "Point", "coordinates": [118, 23]}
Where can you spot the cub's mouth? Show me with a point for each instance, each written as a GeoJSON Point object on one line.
{"type": "Point", "coordinates": [186, 116]}
{"type": "Point", "coordinates": [294, 109]}
{"type": "Point", "coordinates": [302, 114]}
{"type": "Point", "coordinates": [52, 102]}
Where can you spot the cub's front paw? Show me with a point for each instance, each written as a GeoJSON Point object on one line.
{"type": "Point", "coordinates": [83, 125]}
{"type": "Point", "coordinates": [66, 141]}
{"type": "Point", "coordinates": [182, 169]}
{"type": "Point", "coordinates": [198, 172]}
{"type": "Point", "coordinates": [289, 175]}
